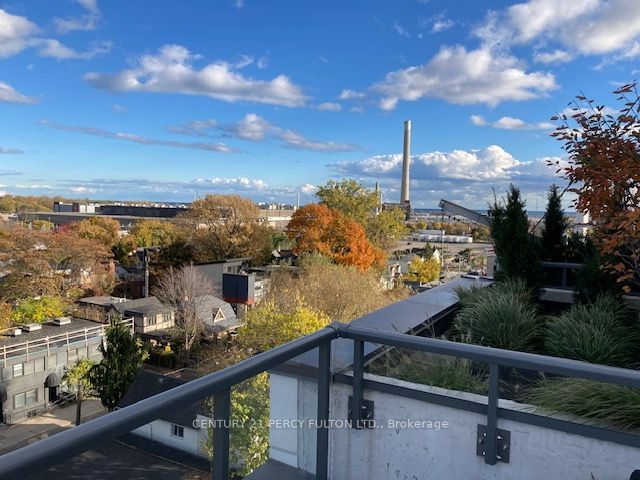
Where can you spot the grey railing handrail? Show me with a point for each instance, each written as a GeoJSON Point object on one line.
{"type": "Point", "coordinates": [506, 358]}
{"type": "Point", "coordinates": [44, 453]}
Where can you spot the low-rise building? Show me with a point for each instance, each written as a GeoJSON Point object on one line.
{"type": "Point", "coordinates": [151, 317]}
{"type": "Point", "coordinates": [178, 428]}
{"type": "Point", "coordinates": [34, 359]}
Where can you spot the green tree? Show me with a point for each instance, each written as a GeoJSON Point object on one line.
{"type": "Point", "coordinates": [515, 247]}
{"type": "Point", "coordinates": [77, 378]}
{"type": "Point", "coordinates": [154, 233]}
{"type": "Point", "coordinates": [423, 271]}
{"type": "Point", "coordinates": [555, 227]}
{"type": "Point", "coordinates": [267, 326]}
{"type": "Point", "coordinates": [349, 197]}
{"type": "Point", "coordinates": [37, 310]}
{"type": "Point", "coordinates": [122, 358]}
{"type": "Point", "coordinates": [386, 228]}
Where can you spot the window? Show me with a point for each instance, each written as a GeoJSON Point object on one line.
{"type": "Point", "coordinates": [25, 398]}
{"type": "Point", "coordinates": [31, 396]}
{"type": "Point", "coordinates": [177, 431]}
{"type": "Point", "coordinates": [18, 370]}
{"type": "Point", "coordinates": [19, 400]}
{"type": "Point", "coordinates": [151, 320]}
{"type": "Point", "coordinates": [38, 365]}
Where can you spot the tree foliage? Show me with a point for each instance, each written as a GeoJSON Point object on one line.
{"type": "Point", "coordinates": [555, 228]}
{"type": "Point", "coordinates": [423, 271]}
{"type": "Point", "coordinates": [77, 378]}
{"type": "Point", "coordinates": [317, 229]}
{"type": "Point", "coordinates": [38, 310]}
{"type": "Point", "coordinates": [341, 293]}
{"type": "Point", "coordinates": [227, 226]}
{"type": "Point", "coordinates": [155, 233]}
{"type": "Point", "coordinates": [122, 357]}
{"type": "Point", "coordinates": [104, 230]}
{"type": "Point", "coordinates": [49, 263]}
{"type": "Point", "coordinates": [515, 247]}
{"type": "Point", "coordinates": [603, 170]}
{"type": "Point", "coordinates": [267, 326]}
{"type": "Point", "coordinates": [354, 200]}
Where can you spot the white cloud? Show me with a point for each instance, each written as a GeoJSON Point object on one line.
{"type": "Point", "coordinates": [15, 32]}
{"type": "Point", "coordinates": [484, 164]}
{"type": "Point", "coordinates": [129, 137]}
{"type": "Point", "coordinates": [464, 176]}
{"type": "Point", "coordinates": [556, 56]}
{"type": "Point", "coordinates": [171, 70]}
{"type": "Point", "coordinates": [86, 22]}
{"type": "Point", "coordinates": [255, 128]}
{"type": "Point", "coordinates": [54, 49]}
{"type": "Point", "coordinates": [400, 30]}
{"type": "Point", "coordinates": [478, 120]}
{"type": "Point", "coordinates": [589, 27]}
{"type": "Point", "coordinates": [465, 77]}
{"type": "Point", "coordinates": [329, 106]}
{"type": "Point", "coordinates": [263, 62]}
{"type": "Point", "coordinates": [441, 23]}
{"type": "Point", "coordinates": [308, 188]}
{"type": "Point", "coordinates": [10, 151]}
{"type": "Point", "coordinates": [347, 94]}
{"type": "Point", "coordinates": [116, 107]}
{"type": "Point", "coordinates": [181, 190]}
{"type": "Point", "coordinates": [196, 128]}
{"type": "Point", "coordinates": [511, 123]}
{"type": "Point", "coordinates": [11, 95]}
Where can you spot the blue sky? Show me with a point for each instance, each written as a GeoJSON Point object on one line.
{"type": "Point", "coordinates": [165, 100]}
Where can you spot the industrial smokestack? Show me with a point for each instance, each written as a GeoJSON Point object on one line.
{"type": "Point", "coordinates": [406, 160]}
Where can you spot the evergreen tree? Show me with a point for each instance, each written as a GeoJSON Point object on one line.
{"type": "Point", "coordinates": [122, 357]}
{"type": "Point", "coordinates": [555, 227]}
{"type": "Point", "coordinates": [515, 248]}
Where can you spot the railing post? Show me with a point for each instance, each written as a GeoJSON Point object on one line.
{"type": "Point", "coordinates": [491, 445]}
{"type": "Point", "coordinates": [221, 414]}
{"type": "Point", "coordinates": [322, 432]}
{"type": "Point", "coordinates": [358, 373]}
{"type": "Point", "coordinates": [564, 277]}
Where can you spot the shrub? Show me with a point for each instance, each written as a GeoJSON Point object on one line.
{"type": "Point", "coordinates": [615, 404]}
{"type": "Point", "coordinates": [436, 370]}
{"type": "Point", "coordinates": [601, 332]}
{"type": "Point", "coordinates": [500, 317]}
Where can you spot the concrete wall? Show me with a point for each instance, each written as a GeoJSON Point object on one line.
{"type": "Point", "coordinates": [404, 452]}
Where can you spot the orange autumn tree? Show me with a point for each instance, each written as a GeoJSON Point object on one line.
{"type": "Point", "coordinates": [318, 229]}
{"type": "Point", "coordinates": [603, 169]}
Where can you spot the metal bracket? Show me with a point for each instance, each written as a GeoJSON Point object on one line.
{"type": "Point", "coordinates": [365, 419]}
{"type": "Point", "coordinates": [503, 443]}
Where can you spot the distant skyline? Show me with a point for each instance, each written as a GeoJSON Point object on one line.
{"type": "Point", "coordinates": [163, 100]}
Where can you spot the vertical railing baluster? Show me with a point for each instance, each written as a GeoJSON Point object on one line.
{"type": "Point", "coordinates": [322, 438]}
{"type": "Point", "coordinates": [492, 416]}
{"type": "Point", "coordinates": [358, 373]}
{"type": "Point", "coordinates": [221, 414]}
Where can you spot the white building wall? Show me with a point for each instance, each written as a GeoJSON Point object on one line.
{"type": "Point", "coordinates": [160, 431]}
{"type": "Point", "coordinates": [434, 454]}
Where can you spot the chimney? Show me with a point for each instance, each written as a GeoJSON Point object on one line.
{"type": "Point", "coordinates": [406, 160]}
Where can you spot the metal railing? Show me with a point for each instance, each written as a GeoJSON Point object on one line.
{"type": "Point", "coordinates": [34, 458]}
{"type": "Point", "coordinates": [30, 347]}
